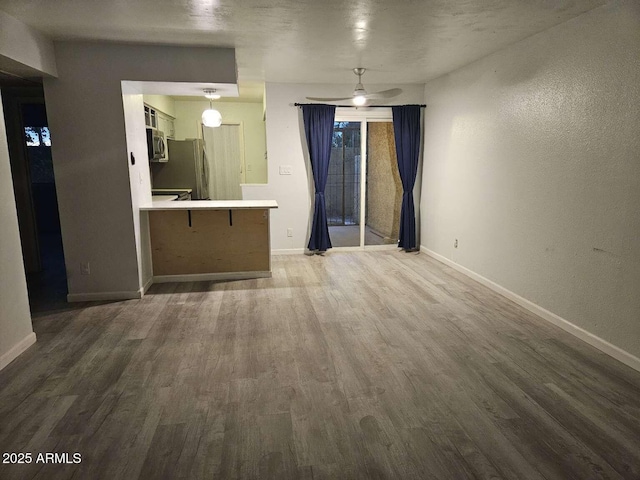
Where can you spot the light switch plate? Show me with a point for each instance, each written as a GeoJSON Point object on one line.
{"type": "Point", "coordinates": [286, 169]}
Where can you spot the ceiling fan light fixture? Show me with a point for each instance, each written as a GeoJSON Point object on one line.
{"type": "Point", "coordinates": [359, 94]}
{"type": "Point", "coordinates": [359, 99]}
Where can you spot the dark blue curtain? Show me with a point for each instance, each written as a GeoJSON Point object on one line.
{"type": "Point", "coordinates": [318, 128]}
{"type": "Point", "coordinates": [406, 129]}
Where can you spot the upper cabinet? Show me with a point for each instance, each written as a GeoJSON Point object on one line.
{"type": "Point", "coordinates": [150, 119]}
{"type": "Point", "coordinates": [156, 119]}
{"type": "Point", "coordinates": [166, 125]}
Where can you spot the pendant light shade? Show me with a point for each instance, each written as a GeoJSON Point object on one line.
{"type": "Point", "coordinates": [211, 117]}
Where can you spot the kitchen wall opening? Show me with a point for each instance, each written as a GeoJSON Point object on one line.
{"type": "Point", "coordinates": [235, 152]}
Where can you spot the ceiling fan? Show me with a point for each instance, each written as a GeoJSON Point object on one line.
{"type": "Point", "coordinates": [360, 95]}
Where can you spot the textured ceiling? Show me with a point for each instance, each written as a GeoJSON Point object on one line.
{"type": "Point", "coordinates": [312, 41]}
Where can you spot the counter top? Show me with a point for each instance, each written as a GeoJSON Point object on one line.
{"type": "Point", "coordinates": [170, 191]}
{"type": "Point", "coordinates": [163, 198]}
{"type": "Point", "coordinates": [212, 205]}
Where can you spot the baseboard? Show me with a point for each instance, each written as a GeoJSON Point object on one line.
{"type": "Point", "coordinates": [387, 246]}
{"type": "Point", "coordinates": [17, 350]}
{"type": "Point", "coordinates": [593, 340]}
{"type": "Point", "coordinates": [115, 296]}
{"type": "Point", "coordinates": [363, 249]}
{"type": "Point", "coordinates": [288, 251]}
{"type": "Point", "coordinates": [207, 277]}
{"type": "Point", "coordinates": [301, 251]}
{"type": "Point", "coordinates": [103, 296]}
{"type": "Point", "coordinates": [146, 286]}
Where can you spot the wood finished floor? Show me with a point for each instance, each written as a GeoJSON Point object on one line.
{"type": "Point", "coordinates": [352, 365]}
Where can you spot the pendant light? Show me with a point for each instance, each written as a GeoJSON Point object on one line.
{"type": "Point", "coordinates": [211, 117]}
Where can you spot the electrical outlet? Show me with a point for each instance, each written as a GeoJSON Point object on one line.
{"type": "Point", "coordinates": [286, 169]}
{"type": "Point", "coordinates": [455, 243]}
{"type": "Point", "coordinates": [289, 232]}
{"type": "Point", "coordinates": [85, 268]}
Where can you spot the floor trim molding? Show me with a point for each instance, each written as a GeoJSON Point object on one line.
{"type": "Point", "coordinates": [593, 340]}
{"type": "Point", "coordinates": [103, 296]}
{"type": "Point", "coordinates": [288, 251]}
{"type": "Point", "coordinates": [300, 251]}
{"type": "Point", "coordinates": [366, 248]}
{"type": "Point", "coordinates": [204, 277]}
{"type": "Point", "coordinates": [15, 351]}
{"type": "Point", "coordinates": [146, 286]}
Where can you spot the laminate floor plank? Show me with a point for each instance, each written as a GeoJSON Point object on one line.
{"type": "Point", "coordinates": [530, 422]}
{"type": "Point", "coordinates": [354, 365]}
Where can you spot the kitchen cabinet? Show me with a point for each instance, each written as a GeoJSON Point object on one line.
{"type": "Point", "coordinates": [210, 240]}
{"type": "Point", "coordinates": [166, 125]}
{"type": "Point", "coordinates": [150, 117]}
{"type": "Point", "coordinates": [156, 119]}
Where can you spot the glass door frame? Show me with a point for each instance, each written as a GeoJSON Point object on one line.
{"type": "Point", "coordinates": [363, 116]}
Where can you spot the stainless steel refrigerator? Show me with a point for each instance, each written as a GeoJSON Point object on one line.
{"type": "Point", "coordinates": [187, 167]}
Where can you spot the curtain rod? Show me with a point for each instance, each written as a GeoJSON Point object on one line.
{"type": "Point", "coordinates": [361, 106]}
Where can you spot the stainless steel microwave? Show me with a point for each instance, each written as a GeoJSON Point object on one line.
{"type": "Point", "coordinates": [156, 146]}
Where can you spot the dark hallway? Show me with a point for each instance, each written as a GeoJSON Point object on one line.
{"type": "Point", "coordinates": [35, 192]}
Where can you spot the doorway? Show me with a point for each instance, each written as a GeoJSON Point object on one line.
{"type": "Point", "coordinates": [342, 192]}
{"type": "Point", "coordinates": [384, 186]}
{"type": "Point", "coordinates": [225, 155]}
{"type": "Point", "coordinates": [33, 178]}
{"type": "Point", "coordinates": [363, 191]}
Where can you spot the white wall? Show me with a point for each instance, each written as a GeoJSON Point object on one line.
{"type": "Point", "coordinates": [31, 51]}
{"type": "Point", "coordinates": [532, 161]}
{"type": "Point", "coordinates": [285, 143]}
{"type": "Point", "coordinates": [86, 117]}
{"type": "Point", "coordinates": [16, 333]}
{"type": "Point", "coordinates": [23, 51]}
{"type": "Point", "coordinates": [139, 177]}
{"type": "Point", "coordinates": [189, 116]}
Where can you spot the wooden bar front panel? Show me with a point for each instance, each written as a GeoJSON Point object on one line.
{"type": "Point", "coordinates": [214, 243]}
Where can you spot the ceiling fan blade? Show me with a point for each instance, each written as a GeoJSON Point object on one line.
{"type": "Point", "coordinates": [317, 99]}
{"type": "Point", "coordinates": [392, 92]}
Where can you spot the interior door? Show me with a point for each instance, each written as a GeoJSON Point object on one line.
{"type": "Point", "coordinates": [224, 152]}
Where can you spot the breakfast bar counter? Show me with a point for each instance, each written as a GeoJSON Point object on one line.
{"type": "Point", "coordinates": [210, 239]}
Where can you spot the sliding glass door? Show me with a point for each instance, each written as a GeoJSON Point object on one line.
{"type": "Point", "coordinates": [363, 191]}
{"type": "Point", "coordinates": [342, 193]}
{"type": "Point", "coordinates": [383, 186]}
